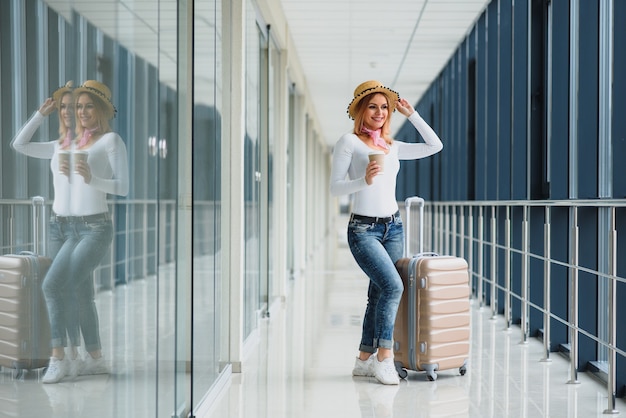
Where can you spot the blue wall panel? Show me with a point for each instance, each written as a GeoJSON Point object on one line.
{"type": "Point", "coordinates": [470, 133]}
{"type": "Point", "coordinates": [588, 101]}
{"type": "Point", "coordinates": [538, 101]}
{"type": "Point", "coordinates": [461, 132]}
{"type": "Point", "coordinates": [519, 100]}
{"type": "Point", "coordinates": [504, 78]}
{"type": "Point", "coordinates": [491, 145]}
{"type": "Point", "coordinates": [619, 101]}
{"type": "Point", "coordinates": [559, 112]}
{"type": "Point", "coordinates": [481, 110]}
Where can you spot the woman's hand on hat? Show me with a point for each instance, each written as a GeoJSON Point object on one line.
{"type": "Point", "coordinates": [404, 107]}
{"type": "Point", "coordinates": [47, 107]}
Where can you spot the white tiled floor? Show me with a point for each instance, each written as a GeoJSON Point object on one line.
{"type": "Point", "coordinates": [300, 364]}
{"type": "Point", "coordinates": [303, 366]}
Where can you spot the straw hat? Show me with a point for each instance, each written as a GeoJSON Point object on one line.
{"type": "Point", "coordinates": [57, 96]}
{"type": "Point", "coordinates": [100, 91]}
{"type": "Point", "coordinates": [369, 87]}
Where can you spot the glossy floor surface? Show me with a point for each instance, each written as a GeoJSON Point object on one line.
{"type": "Point", "coordinates": [303, 362]}
{"type": "Point", "coordinates": [299, 364]}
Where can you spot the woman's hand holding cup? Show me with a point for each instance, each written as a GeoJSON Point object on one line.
{"type": "Point", "coordinates": [375, 167]}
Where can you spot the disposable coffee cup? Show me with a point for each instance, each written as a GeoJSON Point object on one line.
{"type": "Point", "coordinates": [79, 156]}
{"type": "Point", "coordinates": [64, 159]}
{"type": "Point", "coordinates": [379, 157]}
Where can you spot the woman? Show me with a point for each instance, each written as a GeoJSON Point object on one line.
{"type": "Point", "coordinates": [81, 222]}
{"type": "Point", "coordinates": [63, 101]}
{"type": "Point", "coordinates": [375, 233]}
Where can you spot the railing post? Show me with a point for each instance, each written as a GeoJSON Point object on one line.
{"type": "Point", "coordinates": [446, 237]}
{"type": "Point", "coordinates": [525, 261]}
{"type": "Point", "coordinates": [494, 281]}
{"type": "Point", "coordinates": [442, 225]}
{"type": "Point", "coordinates": [507, 269]}
{"type": "Point", "coordinates": [481, 261]}
{"type": "Point", "coordinates": [470, 247]}
{"type": "Point", "coordinates": [574, 298]}
{"type": "Point", "coordinates": [546, 286]}
{"type": "Point", "coordinates": [611, 384]}
{"type": "Point", "coordinates": [462, 232]}
{"type": "Point", "coordinates": [437, 231]}
{"type": "Point", "coordinates": [453, 230]}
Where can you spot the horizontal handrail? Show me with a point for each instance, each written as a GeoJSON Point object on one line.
{"type": "Point", "coordinates": [136, 238]}
{"type": "Point", "coordinates": [536, 203]}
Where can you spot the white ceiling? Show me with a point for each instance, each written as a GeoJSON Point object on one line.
{"type": "Point", "coordinates": [402, 43]}
{"type": "Point", "coordinates": [340, 43]}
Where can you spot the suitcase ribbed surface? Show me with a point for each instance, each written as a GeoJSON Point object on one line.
{"type": "Point", "coordinates": [24, 325]}
{"type": "Point", "coordinates": [432, 330]}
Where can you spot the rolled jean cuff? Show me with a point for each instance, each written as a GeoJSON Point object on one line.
{"type": "Point", "coordinates": [93, 347]}
{"type": "Point", "coordinates": [58, 342]}
{"type": "Point", "coordinates": [367, 349]}
{"type": "Point", "coordinates": [388, 344]}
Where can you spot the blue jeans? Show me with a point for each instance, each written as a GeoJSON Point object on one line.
{"type": "Point", "coordinates": [77, 247]}
{"type": "Point", "coordinates": [376, 247]}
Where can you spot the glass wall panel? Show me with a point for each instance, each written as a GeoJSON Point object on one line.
{"type": "Point", "coordinates": [252, 174]}
{"type": "Point", "coordinates": [273, 133]}
{"type": "Point", "coordinates": [207, 294]}
{"type": "Point", "coordinates": [118, 296]}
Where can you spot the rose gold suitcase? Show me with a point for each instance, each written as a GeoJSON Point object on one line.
{"type": "Point", "coordinates": [432, 329]}
{"type": "Point", "coordinates": [24, 325]}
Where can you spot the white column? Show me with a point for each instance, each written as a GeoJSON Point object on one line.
{"type": "Point", "coordinates": [232, 215]}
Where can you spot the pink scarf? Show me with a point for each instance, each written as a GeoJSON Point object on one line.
{"type": "Point", "coordinates": [67, 140]}
{"type": "Point", "coordinates": [86, 136]}
{"type": "Point", "coordinates": [375, 135]}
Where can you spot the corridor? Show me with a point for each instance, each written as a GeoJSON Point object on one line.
{"type": "Point", "coordinates": [302, 367]}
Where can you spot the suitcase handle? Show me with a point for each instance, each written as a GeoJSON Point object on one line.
{"type": "Point", "coordinates": [410, 201]}
{"type": "Point", "coordinates": [39, 225]}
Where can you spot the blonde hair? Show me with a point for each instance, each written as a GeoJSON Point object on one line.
{"type": "Point", "coordinates": [62, 128]}
{"type": "Point", "coordinates": [360, 116]}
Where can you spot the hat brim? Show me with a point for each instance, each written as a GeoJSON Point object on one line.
{"type": "Point", "coordinates": [57, 96]}
{"type": "Point", "coordinates": [111, 110]}
{"type": "Point", "coordinates": [392, 98]}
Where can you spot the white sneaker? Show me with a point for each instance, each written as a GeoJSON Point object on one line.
{"type": "Point", "coordinates": [57, 370]}
{"type": "Point", "coordinates": [364, 367]}
{"type": "Point", "coordinates": [94, 366]}
{"type": "Point", "coordinates": [75, 366]}
{"type": "Point", "coordinates": [385, 371]}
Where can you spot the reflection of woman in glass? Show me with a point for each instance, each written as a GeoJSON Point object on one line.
{"type": "Point", "coordinates": [81, 223]}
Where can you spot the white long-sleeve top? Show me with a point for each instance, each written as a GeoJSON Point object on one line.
{"type": "Point", "coordinates": [107, 159]}
{"type": "Point", "coordinates": [350, 159]}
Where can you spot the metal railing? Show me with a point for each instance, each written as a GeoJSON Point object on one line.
{"type": "Point", "coordinates": [135, 251]}
{"type": "Point", "coordinates": [471, 230]}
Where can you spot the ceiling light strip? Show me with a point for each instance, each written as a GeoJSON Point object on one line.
{"type": "Point", "coordinates": [408, 46]}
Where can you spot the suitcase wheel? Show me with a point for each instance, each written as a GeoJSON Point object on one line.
{"type": "Point", "coordinates": [431, 371]}
{"type": "Point", "coordinates": [402, 372]}
{"type": "Point", "coordinates": [18, 374]}
{"type": "Point", "coordinates": [462, 370]}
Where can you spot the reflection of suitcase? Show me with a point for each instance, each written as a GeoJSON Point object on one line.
{"type": "Point", "coordinates": [432, 329]}
{"type": "Point", "coordinates": [24, 325]}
